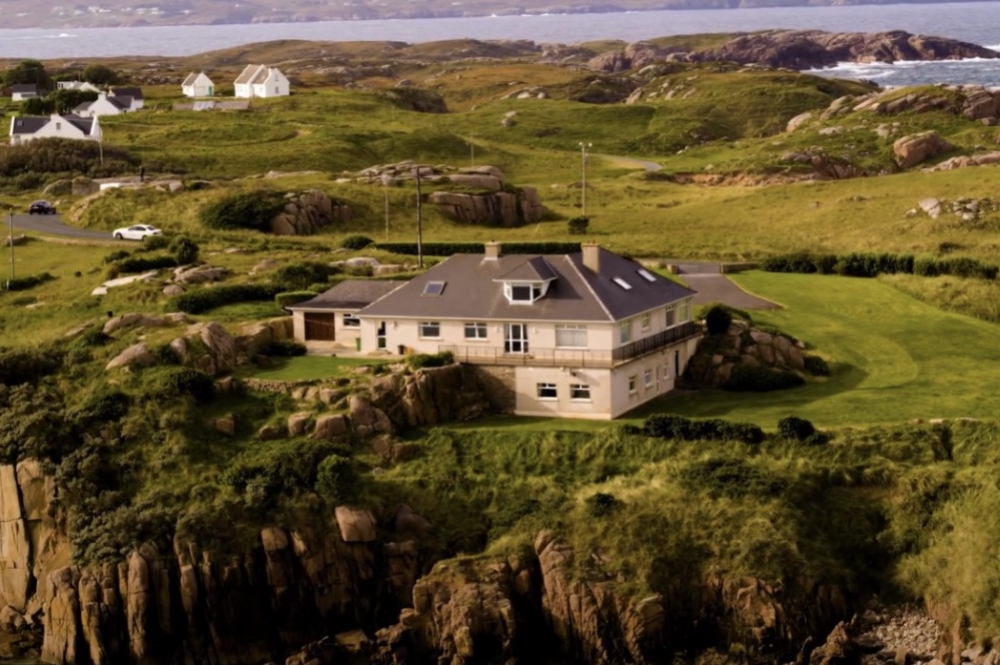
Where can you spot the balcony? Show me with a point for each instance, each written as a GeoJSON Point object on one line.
{"type": "Point", "coordinates": [485, 355]}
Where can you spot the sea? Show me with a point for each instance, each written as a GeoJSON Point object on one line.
{"type": "Point", "coordinates": [975, 22]}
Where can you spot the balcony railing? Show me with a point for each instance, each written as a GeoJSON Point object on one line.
{"type": "Point", "coordinates": [537, 357]}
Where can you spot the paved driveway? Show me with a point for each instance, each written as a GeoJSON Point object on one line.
{"type": "Point", "coordinates": [52, 225]}
{"type": "Point", "coordinates": [713, 286]}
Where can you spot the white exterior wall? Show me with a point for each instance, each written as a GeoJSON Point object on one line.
{"type": "Point", "coordinates": [244, 90]}
{"type": "Point", "coordinates": [101, 107]}
{"type": "Point", "coordinates": [346, 336]}
{"type": "Point", "coordinates": [57, 128]}
{"type": "Point", "coordinates": [599, 407]}
{"type": "Point", "coordinates": [20, 97]}
{"type": "Point", "coordinates": [664, 375]}
{"type": "Point", "coordinates": [275, 85]}
{"type": "Point", "coordinates": [203, 87]}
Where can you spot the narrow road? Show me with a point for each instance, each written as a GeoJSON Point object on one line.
{"type": "Point", "coordinates": [652, 167]}
{"type": "Point", "coordinates": [52, 225]}
{"type": "Point", "coordinates": [712, 286]}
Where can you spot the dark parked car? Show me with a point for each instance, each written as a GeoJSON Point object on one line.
{"type": "Point", "coordinates": [41, 208]}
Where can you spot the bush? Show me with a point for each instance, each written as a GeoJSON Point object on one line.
{"type": "Point", "coordinates": [356, 242]}
{"type": "Point", "coordinates": [578, 225]}
{"type": "Point", "coordinates": [336, 480]}
{"type": "Point", "coordinates": [94, 337]}
{"type": "Point", "coordinates": [817, 366]}
{"type": "Point", "coordinates": [666, 426]}
{"type": "Point", "coordinates": [248, 210]}
{"type": "Point", "coordinates": [178, 381]}
{"type": "Point", "coordinates": [184, 249]}
{"type": "Point", "coordinates": [601, 504]}
{"type": "Point", "coordinates": [116, 256]}
{"type": "Point", "coordinates": [298, 276]}
{"type": "Point", "coordinates": [104, 406]}
{"type": "Point", "coordinates": [795, 429]}
{"type": "Point", "coordinates": [870, 264]}
{"type": "Point", "coordinates": [449, 248]}
{"type": "Point", "coordinates": [204, 300]}
{"type": "Point", "coordinates": [64, 157]}
{"type": "Point", "coordinates": [140, 264]}
{"type": "Point", "coordinates": [422, 360]}
{"type": "Point", "coordinates": [717, 320]}
{"type": "Point", "coordinates": [25, 283]}
{"type": "Point", "coordinates": [19, 366]}
{"type": "Point", "coordinates": [165, 355]}
{"type": "Point", "coordinates": [760, 379]}
{"type": "Point", "coordinates": [153, 243]}
{"type": "Point", "coordinates": [283, 349]}
{"type": "Point", "coordinates": [289, 298]}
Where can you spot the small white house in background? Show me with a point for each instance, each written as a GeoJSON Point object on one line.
{"type": "Point", "coordinates": [28, 128]}
{"type": "Point", "coordinates": [104, 105]}
{"type": "Point", "coordinates": [132, 95]}
{"type": "Point", "coordinates": [77, 85]}
{"type": "Point", "coordinates": [262, 81]}
{"type": "Point", "coordinates": [22, 91]}
{"type": "Point", "coordinates": [198, 85]}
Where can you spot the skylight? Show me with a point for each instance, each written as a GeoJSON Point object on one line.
{"type": "Point", "coordinates": [434, 288]}
{"type": "Point", "coordinates": [622, 283]}
{"type": "Point", "coordinates": [646, 275]}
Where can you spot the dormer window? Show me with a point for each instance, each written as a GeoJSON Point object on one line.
{"type": "Point", "coordinates": [524, 294]}
{"type": "Point", "coordinates": [528, 281]}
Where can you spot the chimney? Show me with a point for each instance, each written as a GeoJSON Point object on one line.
{"type": "Point", "coordinates": [492, 250]}
{"type": "Point", "coordinates": [591, 256]}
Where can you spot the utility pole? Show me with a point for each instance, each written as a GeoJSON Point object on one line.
{"type": "Point", "coordinates": [472, 151]}
{"type": "Point", "coordinates": [385, 188]}
{"type": "Point", "coordinates": [420, 230]}
{"type": "Point", "coordinates": [584, 147]}
{"type": "Point", "coordinates": [10, 239]}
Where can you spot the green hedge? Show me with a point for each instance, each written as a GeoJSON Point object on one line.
{"type": "Point", "coordinates": [449, 248]}
{"type": "Point", "coordinates": [860, 264]}
{"type": "Point", "coordinates": [203, 300]}
{"type": "Point", "coordinates": [25, 283]}
{"type": "Point", "coordinates": [760, 379]}
{"type": "Point", "coordinates": [289, 298]}
{"type": "Point", "coordinates": [141, 264]}
{"type": "Point", "coordinates": [299, 275]}
{"type": "Point", "coordinates": [667, 426]}
{"type": "Point", "coordinates": [248, 210]}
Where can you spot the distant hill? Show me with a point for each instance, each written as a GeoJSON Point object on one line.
{"type": "Point", "coordinates": [121, 13]}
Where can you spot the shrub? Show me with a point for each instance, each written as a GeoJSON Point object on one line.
{"type": "Point", "coordinates": [336, 480]}
{"type": "Point", "coordinates": [141, 264]}
{"type": "Point", "coordinates": [247, 210]}
{"type": "Point", "coordinates": [153, 243]}
{"type": "Point", "coordinates": [795, 429]}
{"type": "Point", "coordinates": [578, 225]}
{"type": "Point", "coordinates": [298, 276]}
{"type": "Point", "coordinates": [817, 439]}
{"type": "Point", "coordinates": [25, 283]}
{"type": "Point", "coordinates": [717, 320]}
{"type": "Point", "coordinates": [666, 426]}
{"type": "Point", "coordinates": [184, 249]}
{"type": "Point", "coordinates": [62, 156]}
{"type": "Point", "coordinates": [116, 256]}
{"type": "Point", "coordinates": [19, 366]}
{"type": "Point", "coordinates": [289, 298]}
{"type": "Point", "coordinates": [204, 300]}
{"type": "Point", "coordinates": [178, 381]}
{"type": "Point", "coordinates": [601, 504]}
{"type": "Point", "coordinates": [760, 379]}
{"type": "Point", "coordinates": [94, 337]}
{"type": "Point", "coordinates": [284, 349]}
{"type": "Point", "coordinates": [165, 355]}
{"type": "Point", "coordinates": [449, 248]}
{"type": "Point", "coordinates": [104, 406]}
{"type": "Point", "coordinates": [356, 242]}
{"type": "Point", "coordinates": [817, 366]}
{"type": "Point", "coordinates": [422, 360]}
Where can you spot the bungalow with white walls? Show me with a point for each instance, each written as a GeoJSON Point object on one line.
{"type": "Point", "coordinates": [28, 128]}
{"type": "Point", "coordinates": [262, 81]}
{"type": "Point", "coordinates": [131, 94]}
{"type": "Point", "coordinates": [104, 105]}
{"type": "Point", "coordinates": [22, 91]}
{"type": "Point", "coordinates": [198, 85]}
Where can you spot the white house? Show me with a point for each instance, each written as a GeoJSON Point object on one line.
{"type": "Point", "coordinates": [77, 85]}
{"type": "Point", "coordinates": [133, 95]}
{"type": "Point", "coordinates": [29, 128]}
{"type": "Point", "coordinates": [22, 91]}
{"type": "Point", "coordinates": [261, 81]}
{"type": "Point", "coordinates": [198, 85]}
{"type": "Point", "coordinates": [104, 105]}
{"type": "Point", "coordinates": [585, 335]}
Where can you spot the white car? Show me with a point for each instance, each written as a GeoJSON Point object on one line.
{"type": "Point", "coordinates": [137, 232]}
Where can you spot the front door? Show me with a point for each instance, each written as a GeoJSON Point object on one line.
{"type": "Point", "coordinates": [515, 338]}
{"type": "Point", "coordinates": [380, 336]}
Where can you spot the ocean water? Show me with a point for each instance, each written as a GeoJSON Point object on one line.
{"type": "Point", "coordinates": [974, 22]}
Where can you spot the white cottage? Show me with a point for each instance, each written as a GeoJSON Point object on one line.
{"type": "Point", "coordinates": [28, 128]}
{"type": "Point", "coordinates": [132, 95]}
{"type": "Point", "coordinates": [21, 91]}
{"type": "Point", "coordinates": [261, 81]}
{"type": "Point", "coordinates": [198, 85]}
{"type": "Point", "coordinates": [77, 85]}
{"type": "Point", "coordinates": [104, 105]}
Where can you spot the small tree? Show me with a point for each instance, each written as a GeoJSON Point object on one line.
{"type": "Point", "coordinates": [578, 225]}
{"type": "Point", "coordinates": [28, 71]}
{"type": "Point", "coordinates": [184, 249]}
{"type": "Point", "coordinates": [336, 479]}
{"type": "Point", "coordinates": [718, 320]}
{"type": "Point", "coordinates": [100, 75]}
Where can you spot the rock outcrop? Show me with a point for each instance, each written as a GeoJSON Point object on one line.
{"type": "Point", "coordinates": [307, 212]}
{"type": "Point", "coordinates": [504, 209]}
{"type": "Point", "coordinates": [718, 355]}
{"type": "Point", "coordinates": [429, 396]}
{"type": "Point", "coordinates": [137, 355]}
{"type": "Point", "coordinates": [917, 148]}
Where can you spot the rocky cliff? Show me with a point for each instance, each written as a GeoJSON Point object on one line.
{"type": "Point", "coordinates": [307, 212]}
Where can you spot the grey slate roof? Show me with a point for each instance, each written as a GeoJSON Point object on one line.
{"type": "Point", "coordinates": [28, 124]}
{"type": "Point", "coordinates": [533, 270]}
{"type": "Point", "coordinates": [134, 93]}
{"type": "Point", "coordinates": [351, 294]}
{"type": "Point", "coordinates": [247, 75]}
{"type": "Point", "coordinates": [25, 88]}
{"type": "Point", "coordinates": [577, 294]}
{"type": "Point", "coordinates": [83, 124]}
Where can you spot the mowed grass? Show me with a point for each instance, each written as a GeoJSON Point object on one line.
{"type": "Point", "coordinates": [306, 368]}
{"type": "Point", "coordinates": [894, 359]}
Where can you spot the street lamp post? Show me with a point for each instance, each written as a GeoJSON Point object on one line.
{"type": "Point", "coordinates": [584, 148]}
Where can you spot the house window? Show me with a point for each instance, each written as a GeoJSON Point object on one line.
{"type": "Point", "coordinates": [571, 336]}
{"type": "Point", "coordinates": [58, 126]}
{"type": "Point", "coordinates": [579, 392]}
{"type": "Point", "coordinates": [625, 332]}
{"type": "Point", "coordinates": [648, 377]}
{"type": "Point", "coordinates": [430, 329]}
{"type": "Point", "coordinates": [684, 311]}
{"type": "Point", "coordinates": [351, 321]}
{"type": "Point", "coordinates": [520, 293]}
{"type": "Point", "coordinates": [665, 372]}
{"type": "Point", "coordinates": [547, 391]}
{"type": "Point", "coordinates": [647, 321]}
{"type": "Point", "coordinates": [671, 316]}
{"type": "Point", "coordinates": [475, 331]}
{"type": "Point", "coordinates": [632, 383]}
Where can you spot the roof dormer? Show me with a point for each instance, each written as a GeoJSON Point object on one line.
{"type": "Point", "coordinates": [528, 282]}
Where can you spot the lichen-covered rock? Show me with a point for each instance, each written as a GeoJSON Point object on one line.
{"type": "Point", "coordinates": [713, 363]}
{"type": "Point", "coordinates": [916, 148]}
{"type": "Point", "coordinates": [298, 423]}
{"type": "Point", "coordinates": [493, 209]}
{"type": "Point", "coordinates": [429, 396]}
{"type": "Point", "coordinates": [220, 345]}
{"type": "Point", "coordinates": [356, 525]}
{"type": "Point", "coordinates": [307, 212]}
{"type": "Point", "coordinates": [332, 426]}
{"type": "Point", "coordinates": [137, 355]}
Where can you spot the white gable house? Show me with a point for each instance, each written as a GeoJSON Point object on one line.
{"type": "Point", "coordinates": [22, 91]}
{"type": "Point", "coordinates": [28, 128]}
{"type": "Point", "coordinates": [133, 96]}
{"type": "Point", "coordinates": [77, 85]}
{"type": "Point", "coordinates": [198, 85]}
{"type": "Point", "coordinates": [262, 81]}
{"type": "Point", "coordinates": [104, 105]}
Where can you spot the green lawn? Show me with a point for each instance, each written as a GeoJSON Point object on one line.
{"type": "Point", "coordinates": [306, 368]}
{"type": "Point", "coordinates": [893, 357]}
